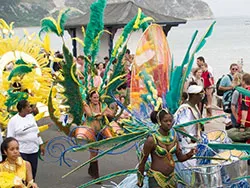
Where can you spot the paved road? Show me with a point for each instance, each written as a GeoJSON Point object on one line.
{"type": "Point", "coordinates": [49, 174]}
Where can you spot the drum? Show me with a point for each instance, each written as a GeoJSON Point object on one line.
{"type": "Point", "coordinates": [234, 168]}
{"type": "Point", "coordinates": [205, 176]}
{"type": "Point", "coordinates": [217, 136]}
{"type": "Point", "coordinates": [106, 132]}
{"type": "Point", "coordinates": [85, 133]}
{"type": "Point", "coordinates": [116, 128]}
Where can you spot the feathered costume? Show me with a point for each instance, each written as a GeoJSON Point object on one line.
{"type": "Point", "coordinates": [68, 92]}
{"type": "Point", "coordinates": [23, 75]}
{"type": "Point", "coordinates": [23, 71]}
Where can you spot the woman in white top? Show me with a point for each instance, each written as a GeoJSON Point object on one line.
{"type": "Point", "coordinates": [23, 127]}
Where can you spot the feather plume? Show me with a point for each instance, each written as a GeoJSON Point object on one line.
{"type": "Point", "coordinates": [19, 71]}
{"type": "Point", "coordinates": [243, 91]}
{"type": "Point", "coordinates": [61, 20]}
{"type": "Point", "coordinates": [242, 147]}
{"type": "Point", "coordinates": [49, 24]}
{"type": "Point", "coordinates": [79, 41]}
{"type": "Point", "coordinates": [120, 145]}
{"type": "Point", "coordinates": [108, 177]}
{"type": "Point", "coordinates": [46, 43]}
{"type": "Point", "coordinates": [137, 20]}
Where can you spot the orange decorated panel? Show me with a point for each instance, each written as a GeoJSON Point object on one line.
{"type": "Point", "coordinates": [153, 56]}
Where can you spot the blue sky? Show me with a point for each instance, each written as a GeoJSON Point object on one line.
{"type": "Point", "coordinates": [225, 8]}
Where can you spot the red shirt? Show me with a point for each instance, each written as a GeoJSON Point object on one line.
{"type": "Point", "coordinates": [244, 104]}
{"type": "Point", "coordinates": [207, 77]}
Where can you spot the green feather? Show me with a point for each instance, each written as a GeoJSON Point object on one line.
{"type": "Point", "coordinates": [120, 145]}
{"type": "Point", "coordinates": [198, 121]}
{"type": "Point", "coordinates": [94, 27]}
{"type": "Point", "coordinates": [245, 158]}
{"type": "Point", "coordinates": [206, 35]}
{"type": "Point", "coordinates": [241, 178]}
{"type": "Point", "coordinates": [186, 58]}
{"type": "Point", "coordinates": [174, 95]}
{"type": "Point", "coordinates": [108, 142]}
{"type": "Point", "coordinates": [20, 62]}
{"type": "Point", "coordinates": [125, 33]}
{"type": "Point", "coordinates": [242, 147]}
{"type": "Point", "coordinates": [62, 18]}
{"type": "Point", "coordinates": [187, 135]}
{"type": "Point", "coordinates": [191, 60]}
{"type": "Point", "coordinates": [48, 25]}
{"type": "Point", "coordinates": [15, 97]}
{"type": "Point", "coordinates": [117, 71]}
{"type": "Point", "coordinates": [20, 70]}
{"type": "Point", "coordinates": [209, 158]}
{"type": "Point", "coordinates": [109, 176]}
{"type": "Point", "coordinates": [72, 91]}
{"type": "Point", "coordinates": [243, 91]}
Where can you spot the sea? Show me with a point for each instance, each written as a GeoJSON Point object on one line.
{"type": "Point", "coordinates": [229, 42]}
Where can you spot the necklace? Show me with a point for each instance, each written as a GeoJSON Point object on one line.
{"type": "Point", "coordinates": [169, 139]}
{"type": "Point", "coordinates": [95, 107]}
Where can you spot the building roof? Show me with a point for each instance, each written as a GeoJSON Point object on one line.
{"type": "Point", "coordinates": [119, 14]}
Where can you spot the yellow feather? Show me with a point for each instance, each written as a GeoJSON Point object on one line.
{"type": "Point", "coordinates": [99, 34]}
{"type": "Point", "coordinates": [43, 128]}
{"type": "Point", "coordinates": [73, 74]}
{"type": "Point", "coordinates": [116, 78]}
{"type": "Point", "coordinates": [79, 41]}
{"type": "Point", "coordinates": [39, 116]}
{"type": "Point", "coordinates": [117, 45]}
{"type": "Point", "coordinates": [57, 112]}
{"type": "Point", "coordinates": [3, 24]}
{"type": "Point", "coordinates": [58, 21]}
{"type": "Point", "coordinates": [54, 22]}
{"type": "Point", "coordinates": [137, 21]}
{"type": "Point", "coordinates": [83, 32]}
{"type": "Point", "coordinates": [11, 25]}
{"type": "Point", "coordinates": [46, 44]}
{"type": "Point", "coordinates": [146, 20]}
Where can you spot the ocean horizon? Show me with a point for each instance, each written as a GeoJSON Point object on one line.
{"type": "Point", "coordinates": [229, 42]}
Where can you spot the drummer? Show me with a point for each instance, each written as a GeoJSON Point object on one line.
{"type": "Point", "coordinates": [187, 112]}
{"type": "Point", "coordinates": [96, 112]}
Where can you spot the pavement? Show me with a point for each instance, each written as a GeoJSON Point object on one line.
{"type": "Point", "coordinates": [49, 173]}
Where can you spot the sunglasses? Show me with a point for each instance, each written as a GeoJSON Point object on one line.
{"type": "Point", "coordinates": [234, 69]}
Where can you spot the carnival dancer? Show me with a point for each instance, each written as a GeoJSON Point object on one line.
{"type": "Point", "coordinates": [96, 112]}
{"type": "Point", "coordinates": [14, 166]}
{"type": "Point", "coordinates": [162, 145]}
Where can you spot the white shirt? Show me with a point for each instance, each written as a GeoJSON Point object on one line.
{"type": "Point", "coordinates": [184, 114]}
{"type": "Point", "coordinates": [25, 130]}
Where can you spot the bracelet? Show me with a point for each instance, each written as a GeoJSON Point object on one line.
{"type": "Point", "coordinates": [140, 178]}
